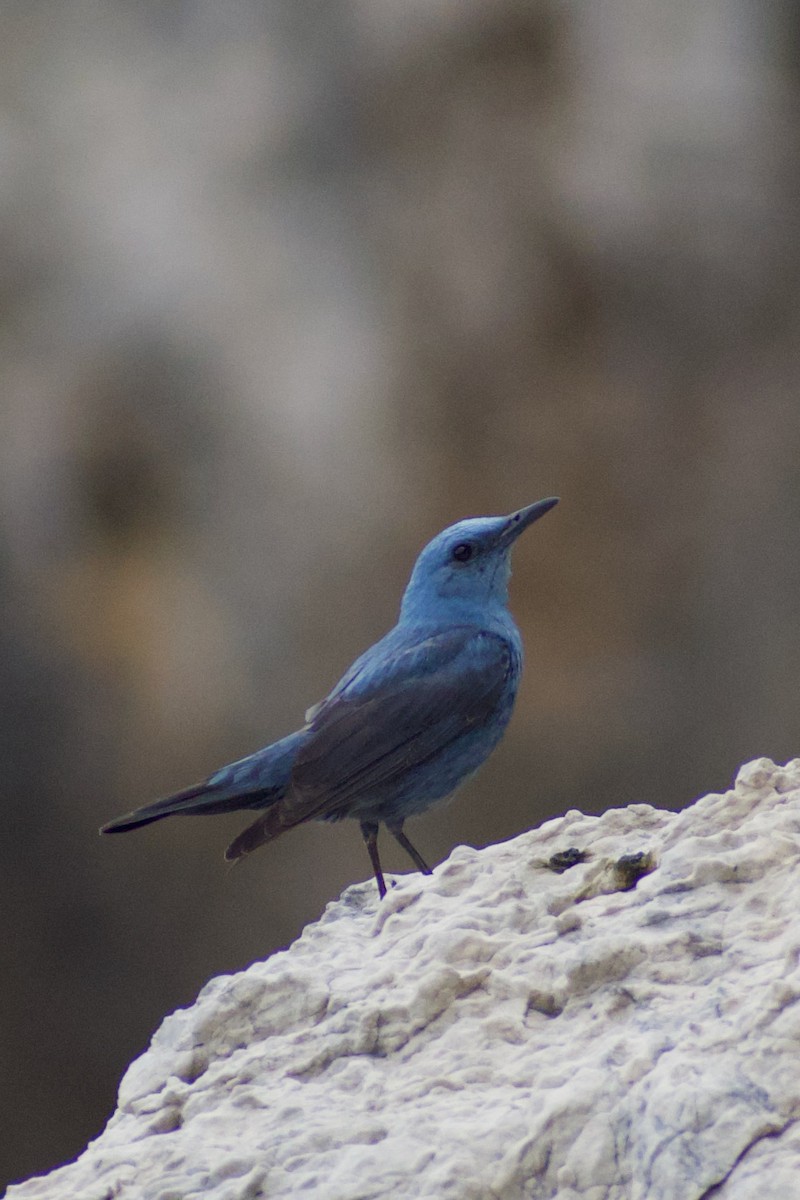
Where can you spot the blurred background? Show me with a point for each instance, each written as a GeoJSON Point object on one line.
{"type": "Point", "coordinates": [288, 286]}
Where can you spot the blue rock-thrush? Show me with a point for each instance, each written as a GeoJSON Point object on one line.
{"type": "Point", "coordinates": [415, 716]}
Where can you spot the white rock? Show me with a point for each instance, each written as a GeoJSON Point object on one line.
{"type": "Point", "coordinates": [500, 1030]}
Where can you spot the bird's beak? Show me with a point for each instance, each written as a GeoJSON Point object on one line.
{"type": "Point", "coordinates": [518, 521]}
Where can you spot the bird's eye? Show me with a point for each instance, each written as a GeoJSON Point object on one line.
{"type": "Point", "coordinates": [462, 552]}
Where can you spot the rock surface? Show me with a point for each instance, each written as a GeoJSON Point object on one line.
{"type": "Point", "coordinates": [605, 1008]}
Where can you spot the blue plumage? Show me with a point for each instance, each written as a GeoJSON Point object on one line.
{"type": "Point", "coordinates": [413, 717]}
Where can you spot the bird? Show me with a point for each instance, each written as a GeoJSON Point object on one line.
{"type": "Point", "coordinates": [413, 718]}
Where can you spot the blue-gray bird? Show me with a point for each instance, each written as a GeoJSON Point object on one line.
{"type": "Point", "coordinates": [415, 716]}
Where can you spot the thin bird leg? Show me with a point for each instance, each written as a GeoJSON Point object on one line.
{"type": "Point", "coordinates": [397, 832]}
{"type": "Point", "coordinates": [370, 833]}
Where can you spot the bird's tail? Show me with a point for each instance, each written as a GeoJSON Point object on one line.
{"type": "Point", "coordinates": [257, 781]}
{"type": "Point", "coordinates": [202, 798]}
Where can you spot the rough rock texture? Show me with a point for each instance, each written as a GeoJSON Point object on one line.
{"type": "Point", "coordinates": [605, 1008]}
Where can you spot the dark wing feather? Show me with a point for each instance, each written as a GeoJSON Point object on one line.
{"type": "Point", "coordinates": [387, 721]}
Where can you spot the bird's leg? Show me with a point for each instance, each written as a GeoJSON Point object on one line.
{"type": "Point", "coordinates": [370, 832]}
{"type": "Point", "coordinates": [396, 830]}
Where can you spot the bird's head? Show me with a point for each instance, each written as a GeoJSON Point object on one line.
{"type": "Point", "coordinates": [468, 566]}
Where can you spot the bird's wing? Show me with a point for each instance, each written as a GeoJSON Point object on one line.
{"type": "Point", "coordinates": [393, 714]}
{"type": "Point", "coordinates": [404, 712]}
